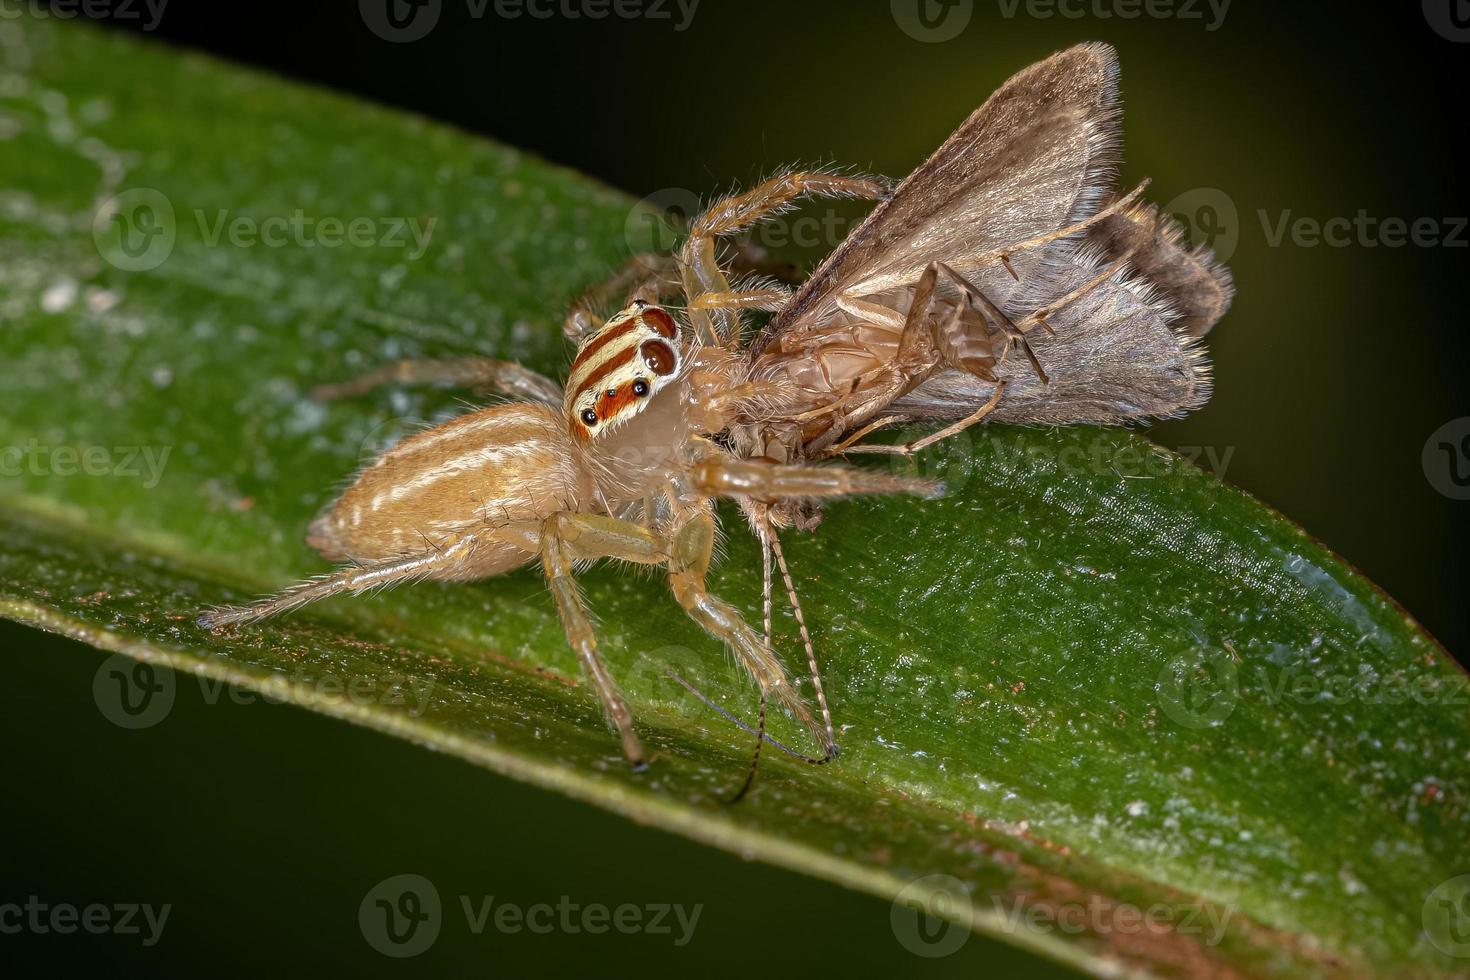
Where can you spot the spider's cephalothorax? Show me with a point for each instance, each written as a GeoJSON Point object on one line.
{"type": "Point", "coordinates": [631, 358]}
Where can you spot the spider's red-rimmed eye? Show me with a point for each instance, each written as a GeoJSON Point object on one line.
{"type": "Point", "coordinates": [659, 357]}
{"type": "Point", "coordinates": [661, 322]}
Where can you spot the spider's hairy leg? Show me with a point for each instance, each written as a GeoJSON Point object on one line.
{"type": "Point", "coordinates": [568, 537]}
{"type": "Point", "coordinates": [739, 211]}
{"type": "Point", "coordinates": [692, 542]}
{"type": "Point", "coordinates": [647, 276]}
{"type": "Point", "coordinates": [769, 299]}
{"type": "Point", "coordinates": [725, 476]}
{"type": "Point", "coordinates": [698, 262]}
{"type": "Point", "coordinates": [441, 560]}
{"type": "Point", "coordinates": [482, 374]}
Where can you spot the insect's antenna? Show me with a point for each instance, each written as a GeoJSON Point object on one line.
{"type": "Point", "coordinates": [760, 736]}
{"type": "Point", "coordinates": [755, 759]}
{"type": "Point", "coordinates": [806, 639]}
{"type": "Point", "coordinates": [709, 703]}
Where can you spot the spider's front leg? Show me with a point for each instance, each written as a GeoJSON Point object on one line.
{"type": "Point", "coordinates": [726, 476]}
{"type": "Point", "coordinates": [692, 541]}
{"type": "Point", "coordinates": [484, 375]}
{"type": "Point", "coordinates": [698, 263]}
{"type": "Point", "coordinates": [646, 276]}
{"type": "Point", "coordinates": [572, 536]}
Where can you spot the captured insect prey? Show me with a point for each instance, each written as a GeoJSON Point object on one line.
{"type": "Point", "coordinates": [1006, 279]}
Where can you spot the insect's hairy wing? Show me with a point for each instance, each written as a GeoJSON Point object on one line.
{"type": "Point", "coordinates": [1190, 278]}
{"type": "Point", "coordinates": [1038, 155]}
{"type": "Point", "coordinates": [1116, 357]}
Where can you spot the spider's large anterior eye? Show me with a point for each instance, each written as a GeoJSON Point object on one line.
{"type": "Point", "coordinates": [660, 322]}
{"type": "Point", "coordinates": [589, 417]}
{"type": "Point", "coordinates": [659, 357]}
{"type": "Point", "coordinates": [640, 388]}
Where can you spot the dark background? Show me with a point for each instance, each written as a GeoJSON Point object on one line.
{"type": "Point", "coordinates": [264, 826]}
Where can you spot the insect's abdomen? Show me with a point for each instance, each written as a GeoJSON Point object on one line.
{"type": "Point", "coordinates": [502, 465]}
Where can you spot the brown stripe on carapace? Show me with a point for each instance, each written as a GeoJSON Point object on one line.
{"type": "Point", "coordinates": [603, 370]}
{"type": "Point", "coordinates": [602, 339]}
{"type": "Point", "coordinates": [661, 322]}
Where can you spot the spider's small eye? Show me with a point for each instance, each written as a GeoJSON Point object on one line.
{"type": "Point", "coordinates": [589, 417]}
{"type": "Point", "coordinates": [640, 387]}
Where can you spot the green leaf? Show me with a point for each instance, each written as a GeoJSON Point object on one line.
{"type": "Point", "coordinates": [1092, 685]}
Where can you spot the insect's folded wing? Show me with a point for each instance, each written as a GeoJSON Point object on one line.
{"type": "Point", "coordinates": [1190, 278]}
{"type": "Point", "coordinates": [1116, 356]}
{"type": "Point", "coordinates": [1037, 156]}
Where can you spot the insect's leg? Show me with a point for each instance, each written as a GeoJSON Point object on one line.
{"type": "Point", "coordinates": [976, 354]}
{"type": "Point", "coordinates": [439, 561]}
{"type": "Point", "coordinates": [692, 541]}
{"type": "Point", "coordinates": [909, 448]}
{"type": "Point", "coordinates": [698, 263]}
{"type": "Point", "coordinates": [1004, 255]}
{"type": "Point", "coordinates": [1039, 316]}
{"type": "Point", "coordinates": [568, 537]}
{"type": "Point", "coordinates": [918, 354]}
{"type": "Point", "coordinates": [726, 476]}
{"type": "Point", "coordinates": [480, 373]}
{"type": "Point", "coordinates": [647, 275]}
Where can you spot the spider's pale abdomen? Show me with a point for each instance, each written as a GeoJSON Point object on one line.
{"type": "Point", "coordinates": [508, 464]}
